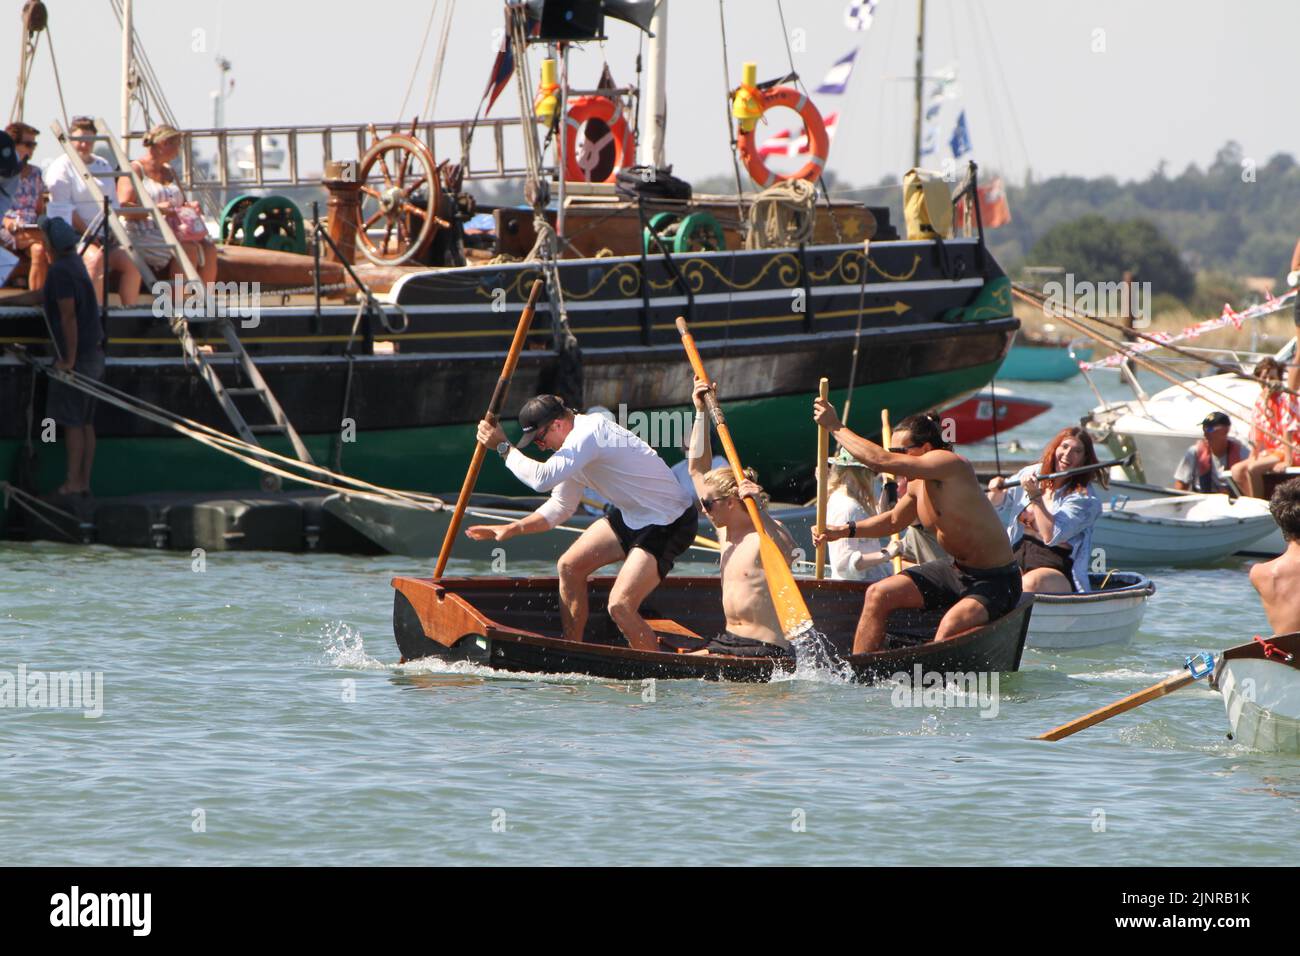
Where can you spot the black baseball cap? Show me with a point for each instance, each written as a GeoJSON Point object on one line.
{"type": "Point", "coordinates": [537, 413]}
{"type": "Point", "coordinates": [1215, 420]}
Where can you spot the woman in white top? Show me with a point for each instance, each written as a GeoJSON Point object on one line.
{"type": "Point", "coordinates": [162, 146]}
{"type": "Point", "coordinates": [852, 499]}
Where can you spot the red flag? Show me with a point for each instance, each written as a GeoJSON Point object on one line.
{"type": "Point", "coordinates": [994, 211]}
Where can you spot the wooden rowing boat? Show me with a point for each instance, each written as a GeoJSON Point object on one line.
{"type": "Point", "coordinates": [512, 624]}
{"type": "Point", "coordinates": [1261, 693]}
{"type": "Point", "coordinates": [1109, 615]}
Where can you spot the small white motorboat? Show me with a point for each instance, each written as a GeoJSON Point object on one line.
{"type": "Point", "coordinates": [1179, 530]}
{"type": "Point", "coordinates": [1111, 614]}
{"type": "Point", "coordinates": [1269, 546]}
{"type": "Point", "coordinates": [1260, 684]}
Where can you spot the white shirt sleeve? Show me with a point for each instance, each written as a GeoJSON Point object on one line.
{"type": "Point", "coordinates": [1186, 471]}
{"type": "Point", "coordinates": [563, 503]}
{"type": "Point", "coordinates": [545, 475]}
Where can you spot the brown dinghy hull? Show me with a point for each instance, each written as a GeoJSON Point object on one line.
{"type": "Point", "coordinates": [513, 624]}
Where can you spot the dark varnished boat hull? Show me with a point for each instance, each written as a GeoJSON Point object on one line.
{"type": "Point", "coordinates": [504, 623]}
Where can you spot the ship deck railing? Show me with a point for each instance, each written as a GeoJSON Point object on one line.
{"type": "Point", "coordinates": [240, 153]}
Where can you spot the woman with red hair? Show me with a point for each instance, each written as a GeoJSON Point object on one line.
{"type": "Point", "coordinates": [1050, 521]}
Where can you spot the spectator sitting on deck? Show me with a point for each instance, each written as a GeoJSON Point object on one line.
{"type": "Point", "coordinates": [1206, 466]}
{"type": "Point", "coordinates": [18, 233]}
{"type": "Point", "coordinates": [70, 199]}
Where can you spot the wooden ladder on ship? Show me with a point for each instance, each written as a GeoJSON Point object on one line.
{"type": "Point", "coordinates": [246, 369]}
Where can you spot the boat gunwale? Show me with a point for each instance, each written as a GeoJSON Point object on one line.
{"type": "Point", "coordinates": [496, 630]}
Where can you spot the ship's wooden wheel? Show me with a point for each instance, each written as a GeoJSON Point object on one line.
{"type": "Point", "coordinates": [400, 197]}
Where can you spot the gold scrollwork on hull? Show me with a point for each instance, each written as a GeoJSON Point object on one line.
{"type": "Point", "coordinates": [694, 270]}
{"type": "Point", "coordinates": [848, 267]}
{"type": "Point", "coordinates": [628, 277]}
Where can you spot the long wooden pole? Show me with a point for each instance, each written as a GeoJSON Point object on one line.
{"type": "Point", "coordinates": [493, 409]}
{"type": "Point", "coordinates": [886, 439]}
{"type": "Point", "coordinates": [791, 610]}
{"type": "Point", "coordinates": [823, 470]}
{"type": "Point", "coordinates": [1154, 692]}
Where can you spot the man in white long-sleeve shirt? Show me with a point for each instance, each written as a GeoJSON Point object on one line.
{"type": "Point", "coordinates": [652, 522]}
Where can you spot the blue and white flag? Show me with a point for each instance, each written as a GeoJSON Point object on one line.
{"type": "Point", "coordinates": [960, 141]}
{"type": "Point", "coordinates": [837, 77]}
{"type": "Point", "coordinates": [929, 141]}
{"type": "Point", "coordinates": [858, 14]}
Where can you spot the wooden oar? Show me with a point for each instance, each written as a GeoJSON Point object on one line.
{"type": "Point", "coordinates": [791, 610]}
{"type": "Point", "coordinates": [493, 409]}
{"type": "Point", "coordinates": [886, 439]}
{"type": "Point", "coordinates": [1154, 692]}
{"type": "Point", "coordinates": [823, 473]}
{"type": "Point", "coordinates": [1127, 459]}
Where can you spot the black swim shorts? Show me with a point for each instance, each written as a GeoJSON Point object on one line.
{"type": "Point", "coordinates": [736, 646]}
{"type": "Point", "coordinates": [943, 583]}
{"type": "Point", "coordinates": [665, 541]}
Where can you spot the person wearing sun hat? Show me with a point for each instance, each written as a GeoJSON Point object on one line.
{"type": "Point", "coordinates": [852, 499]}
{"type": "Point", "coordinates": [652, 522]}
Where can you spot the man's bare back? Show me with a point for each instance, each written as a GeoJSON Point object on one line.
{"type": "Point", "coordinates": [1278, 584]}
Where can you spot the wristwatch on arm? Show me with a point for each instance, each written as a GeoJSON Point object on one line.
{"type": "Point", "coordinates": [503, 449]}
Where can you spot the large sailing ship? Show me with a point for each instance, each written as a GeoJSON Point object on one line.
{"type": "Point", "coordinates": [382, 351]}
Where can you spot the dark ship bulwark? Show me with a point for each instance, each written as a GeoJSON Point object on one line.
{"type": "Point", "coordinates": [935, 322]}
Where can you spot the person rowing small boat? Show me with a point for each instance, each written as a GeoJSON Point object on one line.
{"type": "Point", "coordinates": [981, 581]}
{"type": "Point", "coordinates": [652, 522]}
{"type": "Point", "coordinates": [1049, 520]}
{"type": "Point", "coordinates": [1278, 581]}
{"type": "Point", "coordinates": [753, 628]}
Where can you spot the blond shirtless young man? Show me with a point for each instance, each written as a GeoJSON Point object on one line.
{"type": "Point", "coordinates": [1278, 581]}
{"type": "Point", "coordinates": [753, 629]}
{"type": "Point", "coordinates": [979, 582]}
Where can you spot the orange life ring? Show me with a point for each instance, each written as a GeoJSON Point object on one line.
{"type": "Point", "coordinates": [814, 125]}
{"type": "Point", "coordinates": [587, 166]}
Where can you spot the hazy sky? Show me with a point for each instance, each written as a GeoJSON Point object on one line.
{"type": "Point", "coordinates": [1092, 86]}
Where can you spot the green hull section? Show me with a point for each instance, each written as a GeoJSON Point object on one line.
{"type": "Point", "coordinates": [775, 435]}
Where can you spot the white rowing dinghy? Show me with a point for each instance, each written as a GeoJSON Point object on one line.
{"type": "Point", "coordinates": [1179, 529]}
{"type": "Point", "coordinates": [1111, 614]}
{"type": "Point", "coordinates": [1261, 691]}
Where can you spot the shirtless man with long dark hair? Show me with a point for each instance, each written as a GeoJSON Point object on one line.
{"type": "Point", "coordinates": [980, 582]}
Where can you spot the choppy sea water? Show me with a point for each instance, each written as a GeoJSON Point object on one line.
{"type": "Point", "coordinates": [253, 713]}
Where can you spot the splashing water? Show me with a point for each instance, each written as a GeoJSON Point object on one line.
{"type": "Point", "coordinates": [345, 648]}
{"type": "Point", "coordinates": [816, 660]}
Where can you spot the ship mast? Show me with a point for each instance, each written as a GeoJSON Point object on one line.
{"type": "Point", "coordinates": [918, 83]}
{"type": "Point", "coordinates": [127, 28]}
{"type": "Point", "coordinates": [651, 150]}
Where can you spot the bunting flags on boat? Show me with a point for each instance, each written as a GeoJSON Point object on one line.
{"type": "Point", "coordinates": [503, 67]}
{"type": "Point", "coordinates": [786, 143]}
{"type": "Point", "coordinates": [859, 13]}
{"type": "Point", "coordinates": [837, 77]}
{"type": "Point", "coordinates": [1228, 317]}
{"type": "Point", "coordinates": [960, 139]}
